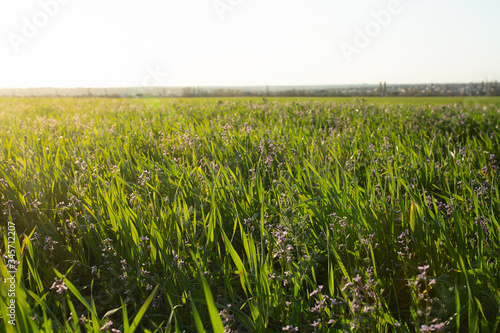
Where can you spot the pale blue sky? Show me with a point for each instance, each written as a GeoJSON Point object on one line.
{"type": "Point", "coordinates": [257, 42]}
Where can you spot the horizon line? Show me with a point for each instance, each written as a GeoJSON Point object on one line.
{"type": "Point", "coordinates": [252, 85]}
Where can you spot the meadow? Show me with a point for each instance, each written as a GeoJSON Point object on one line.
{"type": "Point", "coordinates": [248, 215]}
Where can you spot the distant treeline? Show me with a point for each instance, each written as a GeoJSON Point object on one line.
{"type": "Point", "coordinates": [465, 89]}
{"type": "Point", "coordinates": [353, 92]}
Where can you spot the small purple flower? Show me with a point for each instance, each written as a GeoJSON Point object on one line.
{"type": "Point", "coordinates": [9, 204]}
{"type": "Point", "coordinates": [425, 328]}
{"type": "Point", "coordinates": [59, 286]}
{"type": "Point", "coordinates": [290, 328]}
{"type": "Point", "coordinates": [423, 268]}
{"type": "Point", "coordinates": [226, 317]}
{"type": "Point", "coordinates": [106, 326]}
{"type": "Point", "coordinates": [438, 327]}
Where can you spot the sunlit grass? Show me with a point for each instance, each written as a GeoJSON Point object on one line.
{"type": "Point", "coordinates": [251, 216]}
{"type": "Point", "coordinates": [385, 100]}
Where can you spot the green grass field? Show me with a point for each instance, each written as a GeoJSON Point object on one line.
{"type": "Point", "coordinates": [237, 215]}
{"type": "Point", "coordinates": [481, 100]}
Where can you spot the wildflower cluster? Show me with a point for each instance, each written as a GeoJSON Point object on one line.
{"type": "Point", "coordinates": [363, 300]}
{"type": "Point", "coordinates": [422, 303]}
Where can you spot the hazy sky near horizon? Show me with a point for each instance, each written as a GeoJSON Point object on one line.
{"type": "Point", "coordinates": [99, 43]}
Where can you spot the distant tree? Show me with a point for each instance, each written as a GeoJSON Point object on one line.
{"type": "Point", "coordinates": [188, 92]}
